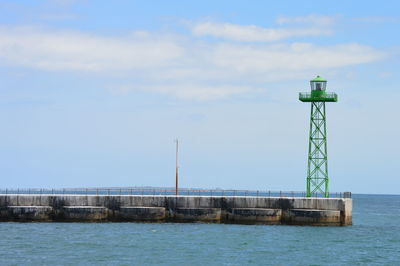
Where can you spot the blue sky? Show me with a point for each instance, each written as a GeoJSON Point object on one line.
{"type": "Point", "coordinates": [93, 93]}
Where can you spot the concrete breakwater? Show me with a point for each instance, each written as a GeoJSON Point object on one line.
{"type": "Point", "coordinates": [153, 208]}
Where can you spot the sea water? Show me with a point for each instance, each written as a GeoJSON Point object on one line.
{"type": "Point", "coordinates": [374, 239]}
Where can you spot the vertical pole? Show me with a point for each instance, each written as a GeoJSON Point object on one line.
{"type": "Point", "coordinates": [326, 157]}
{"type": "Point", "coordinates": [176, 168]}
{"type": "Point", "coordinates": [308, 189]}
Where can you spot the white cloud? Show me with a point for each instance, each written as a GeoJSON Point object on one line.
{"type": "Point", "coordinates": [199, 92]}
{"type": "Point", "coordinates": [310, 19]}
{"type": "Point", "coordinates": [252, 33]}
{"type": "Point", "coordinates": [292, 57]}
{"type": "Point", "coordinates": [176, 65]}
{"type": "Point", "coordinates": [77, 51]}
{"type": "Point", "coordinates": [377, 19]}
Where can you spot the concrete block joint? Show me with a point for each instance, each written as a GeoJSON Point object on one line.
{"type": "Point", "coordinates": [153, 208]}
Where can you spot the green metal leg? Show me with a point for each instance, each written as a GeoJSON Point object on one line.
{"type": "Point", "coordinates": [317, 172]}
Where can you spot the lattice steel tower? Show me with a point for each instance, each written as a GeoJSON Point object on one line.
{"type": "Point", "coordinates": [317, 172]}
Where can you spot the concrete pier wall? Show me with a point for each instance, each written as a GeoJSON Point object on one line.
{"type": "Point", "coordinates": [217, 209]}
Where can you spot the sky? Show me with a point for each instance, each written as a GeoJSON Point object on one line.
{"type": "Point", "coordinates": [93, 93]}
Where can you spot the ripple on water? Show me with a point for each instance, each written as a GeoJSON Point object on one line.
{"type": "Point", "coordinates": [374, 240]}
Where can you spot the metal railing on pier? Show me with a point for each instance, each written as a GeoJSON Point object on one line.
{"type": "Point", "coordinates": [169, 192]}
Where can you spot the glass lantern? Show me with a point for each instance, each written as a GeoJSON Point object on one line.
{"type": "Point", "coordinates": [318, 84]}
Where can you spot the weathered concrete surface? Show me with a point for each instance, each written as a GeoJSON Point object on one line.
{"type": "Point", "coordinates": [26, 213]}
{"type": "Point", "coordinates": [149, 214]}
{"type": "Point", "coordinates": [311, 217]}
{"type": "Point", "coordinates": [83, 213]}
{"type": "Point", "coordinates": [229, 209]}
{"type": "Point", "coordinates": [255, 215]}
{"type": "Point", "coordinates": [197, 214]}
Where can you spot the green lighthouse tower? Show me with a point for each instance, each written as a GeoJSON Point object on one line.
{"type": "Point", "coordinates": [317, 172]}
